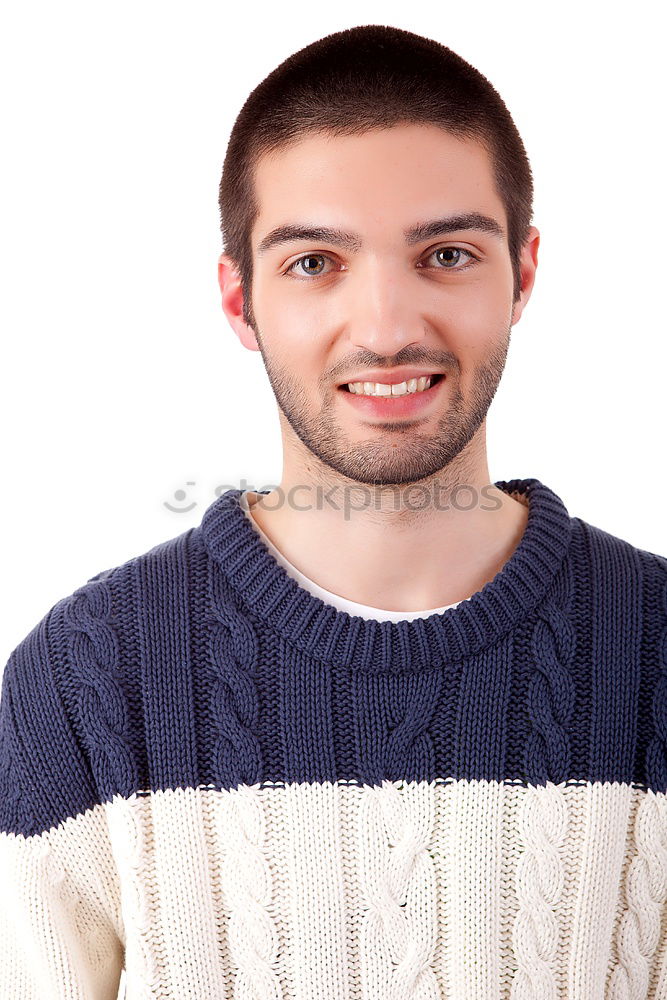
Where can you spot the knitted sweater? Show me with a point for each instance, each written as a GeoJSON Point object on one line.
{"type": "Point", "coordinates": [231, 788]}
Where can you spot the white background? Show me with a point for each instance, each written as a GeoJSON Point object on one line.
{"type": "Point", "coordinates": [121, 379]}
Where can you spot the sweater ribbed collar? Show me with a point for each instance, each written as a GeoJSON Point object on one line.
{"type": "Point", "coordinates": [334, 636]}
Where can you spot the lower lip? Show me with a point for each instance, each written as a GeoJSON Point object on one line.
{"type": "Point", "coordinates": [408, 405]}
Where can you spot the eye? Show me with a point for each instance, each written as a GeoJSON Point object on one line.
{"type": "Point", "coordinates": [450, 256]}
{"type": "Point", "coordinates": [310, 262]}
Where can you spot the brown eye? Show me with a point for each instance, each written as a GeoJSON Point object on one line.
{"type": "Point", "coordinates": [311, 264]}
{"type": "Point", "coordinates": [450, 257]}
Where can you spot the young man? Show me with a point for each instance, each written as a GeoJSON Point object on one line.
{"type": "Point", "coordinates": [390, 729]}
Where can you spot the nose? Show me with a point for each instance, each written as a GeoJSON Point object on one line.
{"type": "Point", "coordinates": [384, 314]}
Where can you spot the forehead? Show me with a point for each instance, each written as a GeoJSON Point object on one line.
{"type": "Point", "coordinates": [385, 177]}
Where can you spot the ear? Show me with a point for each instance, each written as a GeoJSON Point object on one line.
{"type": "Point", "coordinates": [528, 263]}
{"type": "Point", "coordinates": [229, 279]}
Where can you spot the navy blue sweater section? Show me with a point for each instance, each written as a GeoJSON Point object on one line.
{"type": "Point", "coordinates": [202, 663]}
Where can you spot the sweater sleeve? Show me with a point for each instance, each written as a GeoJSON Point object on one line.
{"type": "Point", "coordinates": [61, 932]}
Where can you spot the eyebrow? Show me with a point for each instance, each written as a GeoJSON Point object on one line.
{"type": "Point", "coordinates": [352, 242]}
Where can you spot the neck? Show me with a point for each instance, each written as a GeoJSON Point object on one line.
{"type": "Point", "coordinates": [406, 547]}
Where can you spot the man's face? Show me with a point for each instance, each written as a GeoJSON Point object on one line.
{"type": "Point", "coordinates": [326, 313]}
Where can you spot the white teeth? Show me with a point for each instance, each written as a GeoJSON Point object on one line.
{"type": "Point", "coordinates": [385, 389]}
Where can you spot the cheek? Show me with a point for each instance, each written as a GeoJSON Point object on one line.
{"type": "Point", "coordinates": [291, 336]}
{"type": "Point", "coordinates": [280, 304]}
{"type": "Point", "coordinates": [296, 321]}
{"type": "Point", "coordinates": [483, 308]}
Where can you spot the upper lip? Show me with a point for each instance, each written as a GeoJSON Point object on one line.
{"type": "Point", "coordinates": [390, 376]}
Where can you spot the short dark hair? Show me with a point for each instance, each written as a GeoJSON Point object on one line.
{"type": "Point", "coordinates": [369, 77]}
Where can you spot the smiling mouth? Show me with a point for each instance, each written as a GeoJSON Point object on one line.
{"type": "Point", "coordinates": [434, 379]}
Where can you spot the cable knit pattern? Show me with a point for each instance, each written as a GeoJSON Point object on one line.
{"type": "Point", "coordinates": [551, 696]}
{"type": "Point", "coordinates": [130, 830]}
{"type": "Point", "coordinates": [253, 939]}
{"type": "Point", "coordinates": [645, 888]}
{"type": "Point", "coordinates": [543, 825]}
{"type": "Point", "coordinates": [235, 704]}
{"type": "Point", "coordinates": [645, 891]}
{"type": "Point", "coordinates": [228, 788]}
{"type": "Point", "coordinates": [235, 711]}
{"type": "Point", "coordinates": [94, 658]}
{"type": "Point", "coordinates": [543, 818]}
{"type": "Point", "coordinates": [399, 886]}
